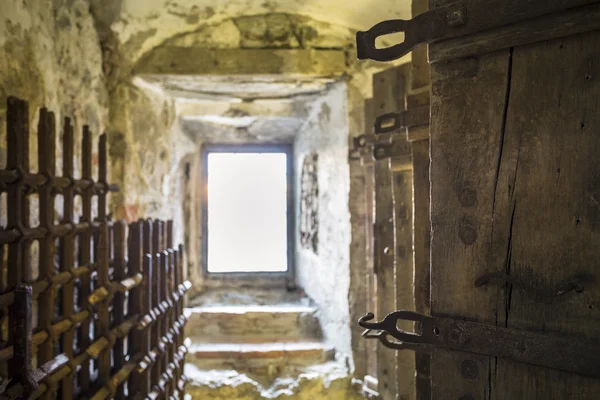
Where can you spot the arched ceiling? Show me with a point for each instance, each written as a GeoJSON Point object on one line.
{"type": "Point", "coordinates": [146, 24]}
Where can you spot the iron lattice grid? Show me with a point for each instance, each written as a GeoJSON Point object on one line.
{"type": "Point", "coordinates": [89, 307]}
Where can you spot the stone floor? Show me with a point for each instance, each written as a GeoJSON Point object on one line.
{"type": "Point", "coordinates": [328, 381]}
{"type": "Point", "coordinates": [253, 344]}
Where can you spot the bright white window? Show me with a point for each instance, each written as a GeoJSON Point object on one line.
{"type": "Point", "coordinates": [247, 212]}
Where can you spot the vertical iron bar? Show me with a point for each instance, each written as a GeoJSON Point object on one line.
{"type": "Point", "coordinates": [17, 152]}
{"type": "Point", "coordinates": [156, 297]}
{"type": "Point", "coordinates": [67, 255]}
{"type": "Point", "coordinates": [147, 342]}
{"type": "Point", "coordinates": [17, 129]}
{"type": "Point", "coordinates": [146, 335]}
{"type": "Point", "coordinates": [47, 165]}
{"type": "Point", "coordinates": [102, 177]}
{"type": "Point", "coordinates": [164, 280]}
{"type": "Point", "coordinates": [173, 317]}
{"type": "Point", "coordinates": [148, 298]}
{"type": "Point", "coordinates": [136, 306]}
{"type": "Point", "coordinates": [85, 254]}
{"type": "Point", "coordinates": [177, 313]}
{"type": "Point", "coordinates": [22, 329]}
{"type": "Point", "coordinates": [181, 277]}
{"type": "Point", "coordinates": [170, 317]}
{"type": "Point", "coordinates": [119, 300]}
{"type": "Point", "coordinates": [103, 325]}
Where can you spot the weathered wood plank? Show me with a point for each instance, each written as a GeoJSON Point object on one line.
{"type": "Point", "coordinates": [546, 211]}
{"type": "Point", "coordinates": [402, 188]}
{"type": "Point", "coordinates": [359, 214]}
{"type": "Point", "coordinates": [578, 20]}
{"type": "Point", "coordinates": [468, 97]}
{"type": "Point", "coordinates": [394, 254]}
{"type": "Point", "coordinates": [421, 225]}
{"type": "Point", "coordinates": [371, 346]}
{"type": "Point", "coordinates": [404, 273]}
{"type": "Point", "coordinates": [557, 25]}
{"type": "Point", "coordinates": [383, 89]}
{"type": "Point", "coordinates": [419, 65]}
{"type": "Point", "coordinates": [419, 95]}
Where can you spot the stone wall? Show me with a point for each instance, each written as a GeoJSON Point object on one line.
{"type": "Point", "coordinates": [80, 59]}
{"type": "Point", "coordinates": [50, 56]}
{"type": "Point", "coordinates": [148, 149]}
{"type": "Point", "coordinates": [325, 275]}
{"type": "Point", "coordinates": [157, 157]}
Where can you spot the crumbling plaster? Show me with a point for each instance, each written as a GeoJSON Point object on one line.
{"type": "Point", "coordinates": [143, 25]}
{"type": "Point", "coordinates": [198, 106]}
{"type": "Point", "coordinates": [229, 121]}
{"type": "Point", "coordinates": [50, 56]}
{"type": "Point", "coordinates": [77, 57]}
{"type": "Point", "coordinates": [325, 276]}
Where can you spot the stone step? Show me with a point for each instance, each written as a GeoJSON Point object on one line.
{"type": "Point", "coordinates": [326, 381]}
{"type": "Point", "coordinates": [261, 358]}
{"type": "Point", "coordinates": [253, 324]}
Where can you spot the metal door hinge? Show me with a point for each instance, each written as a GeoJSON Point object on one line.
{"type": "Point", "coordinates": [391, 122]}
{"type": "Point", "coordinates": [580, 356]}
{"type": "Point", "coordinates": [387, 141]}
{"type": "Point", "coordinates": [472, 17]}
{"type": "Point", "coordinates": [425, 28]}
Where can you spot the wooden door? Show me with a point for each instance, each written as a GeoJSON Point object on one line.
{"type": "Point", "coordinates": [515, 191]}
{"type": "Point", "coordinates": [393, 234]}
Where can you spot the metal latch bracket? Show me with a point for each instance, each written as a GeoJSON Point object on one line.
{"type": "Point", "coordinates": [576, 355]}
{"type": "Point", "coordinates": [425, 28]}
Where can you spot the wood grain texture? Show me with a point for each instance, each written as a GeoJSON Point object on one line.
{"type": "Point", "coordinates": [384, 240]}
{"type": "Point", "coordinates": [361, 223]}
{"type": "Point", "coordinates": [478, 17]}
{"type": "Point", "coordinates": [468, 97]}
{"type": "Point", "coordinates": [546, 207]}
{"type": "Point", "coordinates": [421, 225]}
{"type": "Point", "coordinates": [371, 345]}
{"type": "Point", "coordinates": [393, 194]}
{"type": "Point", "coordinates": [404, 276]}
{"type": "Point", "coordinates": [514, 190]}
{"type": "Point", "coordinates": [577, 20]}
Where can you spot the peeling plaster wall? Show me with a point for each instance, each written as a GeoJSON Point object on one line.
{"type": "Point", "coordinates": [161, 141]}
{"type": "Point", "coordinates": [50, 56]}
{"type": "Point", "coordinates": [76, 57]}
{"type": "Point", "coordinates": [325, 276]}
{"type": "Point", "coordinates": [268, 113]}
{"type": "Point", "coordinates": [144, 25]}
{"type": "Point", "coordinates": [148, 155]}
{"type": "Point", "coordinates": [339, 294]}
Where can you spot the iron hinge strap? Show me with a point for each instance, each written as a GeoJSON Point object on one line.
{"type": "Point", "coordinates": [387, 141]}
{"type": "Point", "coordinates": [455, 20]}
{"type": "Point", "coordinates": [424, 28]}
{"type": "Point", "coordinates": [570, 354]}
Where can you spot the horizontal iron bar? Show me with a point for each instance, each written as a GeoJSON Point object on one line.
{"type": "Point", "coordinates": [57, 183]}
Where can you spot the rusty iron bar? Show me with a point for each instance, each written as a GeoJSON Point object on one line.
{"type": "Point", "coordinates": [156, 302]}
{"type": "Point", "coordinates": [67, 256]}
{"type": "Point", "coordinates": [119, 274]}
{"type": "Point", "coordinates": [103, 267]}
